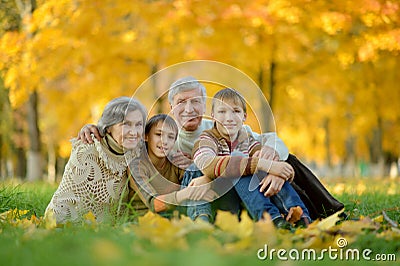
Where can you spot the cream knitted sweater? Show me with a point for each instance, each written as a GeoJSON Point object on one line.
{"type": "Point", "coordinates": [94, 180]}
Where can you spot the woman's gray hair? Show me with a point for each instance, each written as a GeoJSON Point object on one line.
{"type": "Point", "coordinates": [116, 110]}
{"type": "Point", "coordinates": [185, 84]}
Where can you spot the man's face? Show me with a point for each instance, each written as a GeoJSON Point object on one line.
{"type": "Point", "coordinates": [188, 108]}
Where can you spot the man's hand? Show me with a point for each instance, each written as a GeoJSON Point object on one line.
{"type": "Point", "coordinates": [86, 131]}
{"type": "Point", "coordinates": [181, 159]}
{"type": "Point", "coordinates": [268, 153]}
{"type": "Point", "coordinates": [273, 183]}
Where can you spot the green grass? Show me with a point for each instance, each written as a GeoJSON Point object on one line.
{"type": "Point", "coordinates": [115, 245]}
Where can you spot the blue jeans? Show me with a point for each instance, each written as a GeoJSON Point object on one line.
{"type": "Point", "coordinates": [256, 203]}
{"type": "Point", "coordinates": [229, 200]}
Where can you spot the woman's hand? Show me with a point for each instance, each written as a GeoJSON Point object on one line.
{"type": "Point", "coordinates": [86, 131]}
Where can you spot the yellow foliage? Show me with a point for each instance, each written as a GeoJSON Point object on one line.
{"type": "Point", "coordinates": [328, 222]}
{"type": "Point", "coordinates": [228, 235]}
{"type": "Point", "coordinates": [229, 222]}
{"type": "Point", "coordinates": [85, 52]}
{"type": "Point", "coordinates": [90, 218]}
{"type": "Point", "coordinates": [50, 220]}
{"type": "Point", "coordinates": [11, 215]}
{"type": "Point", "coordinates": [105, 251]}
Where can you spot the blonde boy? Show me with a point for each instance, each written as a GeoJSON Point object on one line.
{"type": "Point", "coordinates": [227, 152]}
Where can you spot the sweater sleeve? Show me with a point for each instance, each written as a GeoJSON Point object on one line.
{"type": "Point", "coordinates": [272, 140]}
{"type": "Point", "coordinates": [140, 176]}
{"type": "Point", "coordinates": [206, 158]}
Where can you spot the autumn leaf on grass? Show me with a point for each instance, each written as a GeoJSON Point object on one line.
{"type": "Point", "coordinates": [50, 219]}
{"type": "Point", "coordinates": [317, 233]}
{"type": "Point", "coordinates": [90, 219]}
{"type": "Point", "coordinates": [12, 215]}
{"type": "Point", "coordinates": [160, 231]}
{"type": "Point", "coordinates": [187, 225]}
{"type": "Point", "coordinates": [328, 222]}
{"type": "Point", "coordinates": [241, 232]}
{"type": "Point", "coordinates": [294, 214]}
{"type": "Point", "coordinates": [105, 251]}
{"type": "Point", "coordinates": [265, 231]}
{"type": "Point", "coordinates": [229, 222]}
{"type": "Point", "coordinates": [355, 227]}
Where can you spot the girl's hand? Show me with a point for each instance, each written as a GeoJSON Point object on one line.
{"type": "Point", "coordinates": [202, 180]}
{"type": "Point", "coordinates": [181, 160]}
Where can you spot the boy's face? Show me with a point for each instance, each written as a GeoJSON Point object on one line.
{"type": "Point", "coordinates": [229, 117]}
{"type": "Point", "coordinates": [160, 140]}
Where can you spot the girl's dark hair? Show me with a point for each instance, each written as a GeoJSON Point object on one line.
{"type": "Point", "coordinates": [166, 119]}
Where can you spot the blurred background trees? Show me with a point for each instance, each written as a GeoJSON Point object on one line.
{"type": "Point", "coordinates": [329, 69]}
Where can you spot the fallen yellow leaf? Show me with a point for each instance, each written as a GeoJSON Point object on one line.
{"type": "Point", "coordinates": [49, 219]}
{"type": "Point", "coordinates": [90, 218]}
{"type": "Point", "coordinates": [329, 222]}
{"type": "Point", "coordinates": [378, 219]}
{"type": "Point", "coordinates": [229, 222]}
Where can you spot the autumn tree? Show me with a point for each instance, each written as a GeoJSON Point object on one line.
{"type": "Point", "coordinates": [326, 68]}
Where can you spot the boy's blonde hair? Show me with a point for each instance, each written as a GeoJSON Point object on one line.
{"type": "Point", "coordinates": [229, 94]}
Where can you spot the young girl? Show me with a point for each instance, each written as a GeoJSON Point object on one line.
{"type": "Point", "coordinates": [154, 179]}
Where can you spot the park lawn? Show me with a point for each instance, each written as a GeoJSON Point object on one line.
{"type": "Point", "coordinates": [26, 239]}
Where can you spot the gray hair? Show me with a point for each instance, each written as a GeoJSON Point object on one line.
{"type": "Point", "coordinates": [116, 110]}
{"type": "Point", "coordinates": [185, 84]}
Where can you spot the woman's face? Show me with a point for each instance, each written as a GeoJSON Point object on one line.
{"type": "Point", "coordinates": [129, 132]}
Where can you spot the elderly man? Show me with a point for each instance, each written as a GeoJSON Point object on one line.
{"type": "Point", "coordinates": [186, 97]}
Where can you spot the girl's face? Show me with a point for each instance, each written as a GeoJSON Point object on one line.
{"type": "Point", "coordinates": [160, 140]}
{"type": "Point", "coordinates": [129, 132]}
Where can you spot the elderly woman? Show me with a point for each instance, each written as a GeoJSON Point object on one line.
{"type": "Point", "coordinates": [95, 177]}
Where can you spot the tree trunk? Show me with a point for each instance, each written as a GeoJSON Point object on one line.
{"type": "Point", "coordinates": [156, 92]}
{"type": "Point", "coordinates": [267, 114]}
{"type": "Point", "coordinates": [350, 158]}
{"type": "Point", "coordinates": [376, 150]}
{"type": "Point", "coordinates": [272, 83]}
{"type": "Point", "coordinates": [20, 167]}
{"type": "Point", "coordinates": [34, 167]}
{"type": "Point", "coordinates": [328, 159]}
{"type": "Point", "coordinates": [51, 164]}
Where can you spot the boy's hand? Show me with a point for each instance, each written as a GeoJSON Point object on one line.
{"type": "Point", "coordinates": [273, 183]}
{"type": "Point", "coordinates": [268, 153]}
{"type": "Point", "coordinates": [86, 131]}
